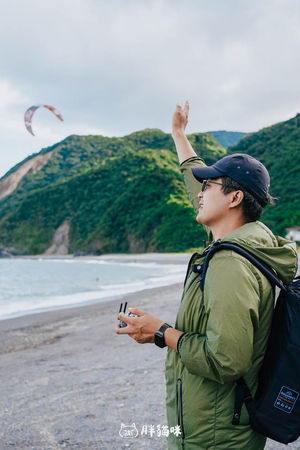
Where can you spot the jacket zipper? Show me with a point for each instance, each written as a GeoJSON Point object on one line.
{"type": "Point", "coordinates": [179, 408]}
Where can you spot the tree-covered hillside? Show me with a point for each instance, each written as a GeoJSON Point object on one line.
{"type": "Point", "coordinates": [117, 194]}
{"type": "Point", "coordinates": [127, 194]}
{"type": "Point", "coordinates": [278, 148]}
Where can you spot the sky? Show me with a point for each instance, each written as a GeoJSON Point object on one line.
{"type": "Point", "coordinates": [115, 67]}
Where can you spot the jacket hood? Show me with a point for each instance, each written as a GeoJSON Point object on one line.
{"type": "Point", "coordinates": [278, 252]}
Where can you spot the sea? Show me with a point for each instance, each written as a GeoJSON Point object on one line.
{"type": "Point", "coordinates": [30, 286]}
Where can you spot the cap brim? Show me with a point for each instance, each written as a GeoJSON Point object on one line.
{"type": "Point", "coordinates": [205, 172]}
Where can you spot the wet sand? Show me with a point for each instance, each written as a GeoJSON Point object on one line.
{"type": "Point", "coordinates": [68, 381]}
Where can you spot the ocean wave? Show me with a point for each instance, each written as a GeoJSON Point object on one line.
{"type": "Point", "coordinates": [30, 304]}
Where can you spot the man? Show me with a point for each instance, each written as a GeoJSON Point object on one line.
{"type": "Point", "coordinates": [221, 333]}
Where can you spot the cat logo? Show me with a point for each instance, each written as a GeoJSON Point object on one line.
{"type": "Point", "coordinates": [128, 431]}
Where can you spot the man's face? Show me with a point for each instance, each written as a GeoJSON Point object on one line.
{"type": "Point", "coordinates": [213, 203]}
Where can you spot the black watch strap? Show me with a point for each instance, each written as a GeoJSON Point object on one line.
{"type": "Point", "coordinates": [159, 338]}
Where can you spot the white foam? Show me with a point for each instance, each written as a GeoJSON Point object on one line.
{"type": "Point", "coordinates": [168, 274]}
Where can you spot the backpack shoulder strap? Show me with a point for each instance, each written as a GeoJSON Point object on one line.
{"type": "Point", "coordinates": [258, 263]}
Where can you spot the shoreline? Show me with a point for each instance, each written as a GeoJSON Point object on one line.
{"type": "Point", "coordinates": [148, 258]}
{"type": "Point", "coordinates": [158, 258]}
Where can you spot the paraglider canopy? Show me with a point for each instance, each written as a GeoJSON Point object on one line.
{"type": "Point", "coordinates": [30, 112]}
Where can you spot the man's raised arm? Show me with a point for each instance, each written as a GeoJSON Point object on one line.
{"type": "Point", "coordinates": [180, 120]}
{"type": "Point", "coordinates": [186, 153]}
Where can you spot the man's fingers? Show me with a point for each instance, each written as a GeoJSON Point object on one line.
{"type": "Point", "coordinates": [124, 330]}
{"type": "Point", "coordinates": [186, 107]}
{"type": "Point", "coordinates": [184, 110]}
{"type": "Point", "coordinates": [125, 318]}
{"type": "Point", "coordinates": [137, 311]}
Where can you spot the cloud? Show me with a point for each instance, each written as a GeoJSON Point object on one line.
{"type": "Point", "coordinates": [121, 66]}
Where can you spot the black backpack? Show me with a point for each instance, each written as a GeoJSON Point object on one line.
{"type": "Point", "coordinates": [275, 409]}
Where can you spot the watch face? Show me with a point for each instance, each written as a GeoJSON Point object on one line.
{"type": "Point", "coordinates": [159, 339]}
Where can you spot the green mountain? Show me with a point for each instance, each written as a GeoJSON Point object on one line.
{"type": "Point", "coordinates": [227, 138]}
{"type": "Point", "coordinates": [116, 195]}
{"type": "Point", "coordinates": [97, 194]}
{"type": "Point", "coordinates": [278, 148]}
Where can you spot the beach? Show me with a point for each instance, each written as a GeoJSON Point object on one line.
{"type": "Point", "coordinates": [68, 381]}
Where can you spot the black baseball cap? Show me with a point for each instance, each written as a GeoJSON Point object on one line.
{"type": "Point", "coordinates": [244, 169]}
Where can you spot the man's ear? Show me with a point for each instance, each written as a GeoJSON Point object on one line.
{"type": "Point", "coordinates": [236, 198]}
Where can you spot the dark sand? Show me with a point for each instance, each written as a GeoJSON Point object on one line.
{"type": "Point", "coordinates": [68, 381]}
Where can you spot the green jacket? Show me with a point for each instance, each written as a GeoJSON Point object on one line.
{"type": "Point", "coordinates": [226, 331]}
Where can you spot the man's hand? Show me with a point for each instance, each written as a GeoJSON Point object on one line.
{"type": "Point", "coordinates": [142, 328]}
{"type": "Point", "coordinates": [179, 123]}
{"type": "Point", "coordinates": [180, 119]}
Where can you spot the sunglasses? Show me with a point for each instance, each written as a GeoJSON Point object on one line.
{"type": "Point", "coordinates": [207, 182]}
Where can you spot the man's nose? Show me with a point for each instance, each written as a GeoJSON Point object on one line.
{"type": "Point", "coordinates": [200, 194]}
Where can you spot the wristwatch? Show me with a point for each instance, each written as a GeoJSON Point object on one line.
{"type": "Point", "coordinates": [159, 338]}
